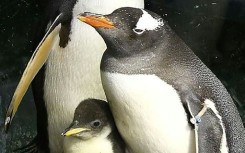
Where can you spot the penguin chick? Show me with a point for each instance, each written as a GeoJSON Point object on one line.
{"type": "Point", "coordinates": [93, 130]}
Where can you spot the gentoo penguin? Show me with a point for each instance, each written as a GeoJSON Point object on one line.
{"type": "Point", "coordinates": [159, 91]}
{"type": "Point", "coordinates": [71, 71]}
{"type": "Point", "coordinates": [93, 130]}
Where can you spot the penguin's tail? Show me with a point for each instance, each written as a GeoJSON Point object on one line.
{"type": "Point", "coordinates": [31, 147]}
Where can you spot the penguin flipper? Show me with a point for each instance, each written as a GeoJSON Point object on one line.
{"type": "Point", "coordinates": [36, 62]}
{"type": "Point", "coordinates": [207, 125]}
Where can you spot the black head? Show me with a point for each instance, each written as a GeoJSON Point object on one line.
{"type": "Point", "coordinates": [133, 30]}
{"type": "Point", "coordinates": [92, 118]}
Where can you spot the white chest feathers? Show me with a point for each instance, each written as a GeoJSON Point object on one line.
{"type": "Point", "coordinates": [74, 145]}
{"type": "Point", "coordinates": [72, 73]}
{"type": "Point", "coordinates": [148, 113]}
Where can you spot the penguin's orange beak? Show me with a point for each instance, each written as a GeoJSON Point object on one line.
{"type": "Point", "coordinates": [96, 21]}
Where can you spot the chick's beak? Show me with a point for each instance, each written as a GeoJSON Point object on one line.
{"type": "Point", "coordinates": [73, 129]}
{"type": "Point", "coordinates": [95, 20]}
{"type": "Point", "coordinates": [71, 132]}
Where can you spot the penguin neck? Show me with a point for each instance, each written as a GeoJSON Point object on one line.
{"type": "Point", "coordinates": [163, 52]}
{"type": "Point", "coordinates": [114, 61]}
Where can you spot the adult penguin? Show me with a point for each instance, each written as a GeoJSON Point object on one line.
{"type": "Point", "coordinates": [71, 51]}
{"type": "Point", "coordinates": [159, 90]}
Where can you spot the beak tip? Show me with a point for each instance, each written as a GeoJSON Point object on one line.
{"type": "Point", "coordinates": [83, 15]}
{"type": "Point", "coordinates": [7, 123]}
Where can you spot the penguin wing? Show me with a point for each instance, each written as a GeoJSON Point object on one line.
{"type": "Point", "coordinates": [207, 125]}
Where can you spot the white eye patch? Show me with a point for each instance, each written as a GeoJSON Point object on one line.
{"type": "Point", "coordinates": [138, 31]}
{"type": "Point", "coordinates": [147, 22]}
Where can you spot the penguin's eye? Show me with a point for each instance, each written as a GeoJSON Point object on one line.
{"type": "Point", "coordinates": [138, 31]}
{"type": "Point", "coordinates": [96, 123]}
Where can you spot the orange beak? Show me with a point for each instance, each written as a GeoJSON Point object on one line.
{"type": "Point", "coordinates": [96, 21]}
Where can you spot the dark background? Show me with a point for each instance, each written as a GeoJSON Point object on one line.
{"type": "Point", "coordinates": [213, 29]}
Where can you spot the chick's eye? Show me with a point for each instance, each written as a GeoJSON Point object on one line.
{"type": "Point", "coordinates": [138, 31]}
{"type": "Point", "coordinates": [96, 123]}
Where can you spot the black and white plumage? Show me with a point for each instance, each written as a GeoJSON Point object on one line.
{"type": "Point", "coordinates": [157, 86]}
{"type": "Point", "coordinates": [93, 130]}
{"type": "Point", "coordinates": [71, 71]}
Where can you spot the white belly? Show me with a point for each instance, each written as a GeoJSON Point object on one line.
{"type": "Point", "coordinates": [148, 113]}
{"type": "Point", "coordinates": [74, 145]}
{"type": "Point", "coordinates": [73, 73]}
